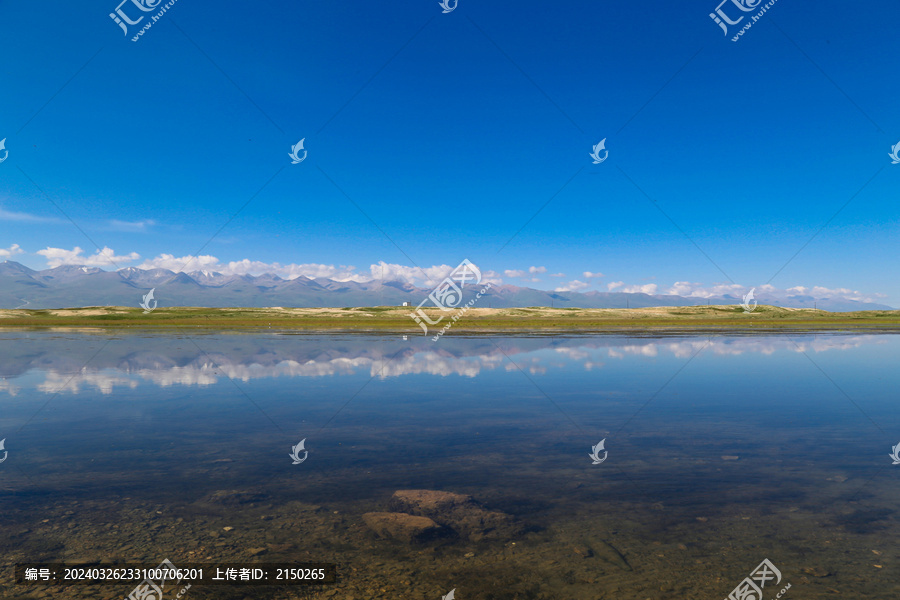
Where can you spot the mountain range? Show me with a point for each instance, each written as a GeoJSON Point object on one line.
{"type": "Point", "coordinates": [70, 286]}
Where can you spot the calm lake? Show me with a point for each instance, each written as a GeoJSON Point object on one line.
{"type": "Point", "coordinates": [720, 451]}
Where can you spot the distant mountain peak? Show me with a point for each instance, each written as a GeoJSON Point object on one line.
{"type": "Point", "coordinates": [80, 285]}
{"type": "Point", "coordinates": [13, 266]}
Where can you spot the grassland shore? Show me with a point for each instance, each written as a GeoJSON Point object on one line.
{"type": "Point", "coordinates": [476, 320]}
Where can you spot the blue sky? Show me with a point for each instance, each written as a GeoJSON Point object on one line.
{"type": "Point", "coordinates": [435, 137]}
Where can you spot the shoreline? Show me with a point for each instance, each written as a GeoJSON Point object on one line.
{"type": "Point", "coordinates": [536, 320]}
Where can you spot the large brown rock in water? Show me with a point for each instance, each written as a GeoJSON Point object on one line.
{"type": "Point", "coordinates": [403, 527]}
{"type": "Point", "coordinates": [456, 511]}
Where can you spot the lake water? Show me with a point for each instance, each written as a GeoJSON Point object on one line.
{"type": "Point", "coordinates": [723, 451]}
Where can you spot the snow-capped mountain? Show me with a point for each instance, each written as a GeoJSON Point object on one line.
{"type": "Point", "coordinates": [75, 285]}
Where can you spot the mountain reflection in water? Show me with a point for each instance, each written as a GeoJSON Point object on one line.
{"type": "Point", "coordinates": [723, 450]}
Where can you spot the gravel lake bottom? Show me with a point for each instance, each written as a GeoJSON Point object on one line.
{"type": "Point", "coordinates": [590, 467]}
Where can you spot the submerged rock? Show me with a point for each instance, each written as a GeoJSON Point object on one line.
{"type": "Point", "coordinates": [582, 551]}
{"type": "Point", "coordinates": [456, 511]}
{"type": "Point", "coordinates": [607, 552]}
{"type": "Point", "coordinates": [234, 497]}
{"type": "Point", "coordinates": [428, 500]}
{"type": "Point", "coordinates": [402, 526]}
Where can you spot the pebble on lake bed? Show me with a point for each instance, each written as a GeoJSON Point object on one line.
{"type": "Point", "coordinates": [583, 551]}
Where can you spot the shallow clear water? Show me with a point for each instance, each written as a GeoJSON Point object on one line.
{"type": "Point", "coordinates": [723, 450]}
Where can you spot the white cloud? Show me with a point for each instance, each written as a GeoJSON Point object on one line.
{"type": "Point", "coordinates": [738, 346]}
{"type": "Point", "coordinates": [8, 387]}
{"type": "Point", "coordinates": [824, 292]}
{"type": "Point", "coordinates": [426, 277]}
{"type": "Point", "coordinates": [768, 293]}
{"type": "Point", "coordinates": [649, 288]}
{"type": "Point", "coordinates": [11, 251]}
{"type": "Point", "coordinates": [573, 286]}
{"type": "Point", "coordinates": [521, 274]}
{"type": "Point", "coordinates": [683, 288]}
{"type": "Point", "coordinates": [55, 383]}
{"type": "Point", "coordinates": [252, 267]}
{"type": "Point", "coordinates": [131, 371]}
{"type": "Point", "coordinates": [117, 225]}
{"type": "Point", "coordinates": [101, 258]}
{"type": "Point", "coordinates": [492, 277]}
{"type": "Point", "coordinates": [192, 263]}
{"type": "Point", "coordinates": [6, 215]}
{"type": "Point", "coordinates": [696, 290]}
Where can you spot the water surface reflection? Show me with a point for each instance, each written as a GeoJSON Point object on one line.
{"type": "Point", "coordinates": [723, 450]}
